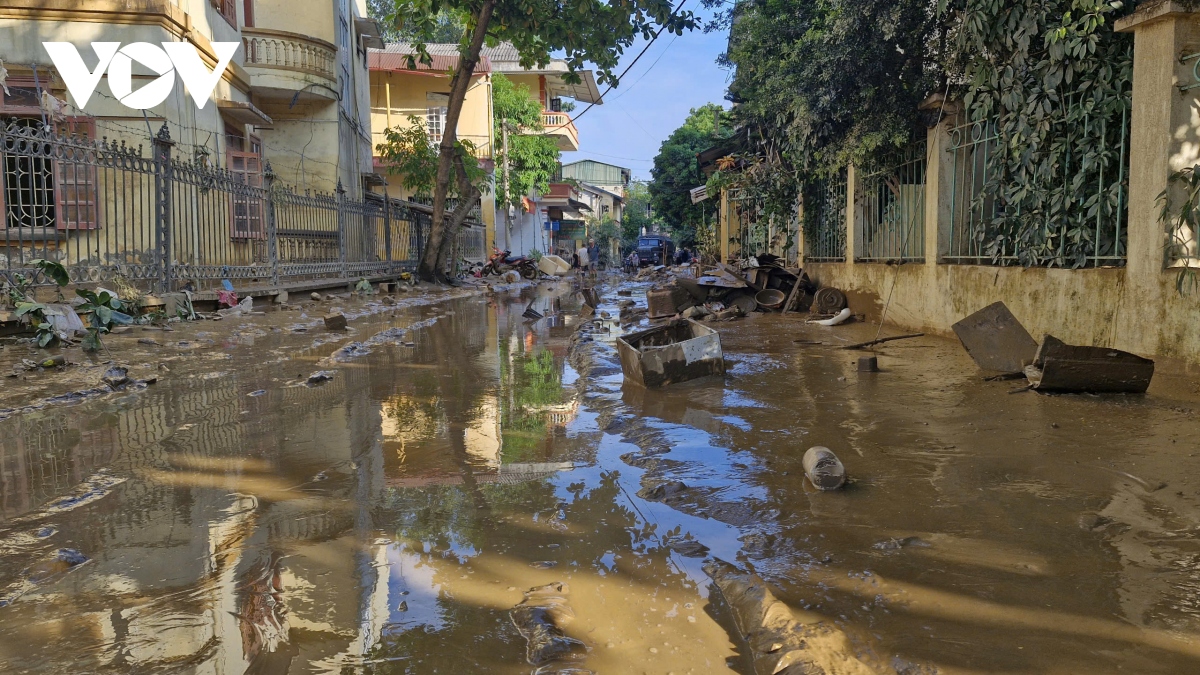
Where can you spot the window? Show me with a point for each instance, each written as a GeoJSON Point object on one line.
{"type": "Point", "coordinates": [245, 163]}
{"type": "Point", "coordinates": [227, 9]}
{"type": "Point", "coordinates": [38, 191]}
{"type": "Point", "coordinates": [435, 116]}
{"type": "Point", "coordinates": [344, 52]}
{"type": "Point", "coordinates": [248, 13]}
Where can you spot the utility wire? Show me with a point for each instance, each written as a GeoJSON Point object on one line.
{"type": "Point", "coordinates": [632, 64]}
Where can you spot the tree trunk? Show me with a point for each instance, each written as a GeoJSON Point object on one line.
{"type": "Point", "coordinates": [429, 269]}
{"type": "Point", "coordinates": [469, 194]}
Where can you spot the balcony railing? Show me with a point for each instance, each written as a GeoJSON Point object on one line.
{"type": "Point", "coordinates": [290, 51]}
{"type": "Point", "coordinates": [483, 145]}
{"type": "Point", "coordinates": [560, 124]}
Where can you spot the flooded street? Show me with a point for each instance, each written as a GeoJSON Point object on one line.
{"type": "Point", "coordinates": [236, 518]}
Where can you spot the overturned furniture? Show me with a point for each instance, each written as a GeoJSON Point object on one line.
{"type": "Point", "coordinates": [675, 352]}
{"type": "Point", "coordinates": [1061, 367]}
{"type": "Point", "coordinates": [996, 340]}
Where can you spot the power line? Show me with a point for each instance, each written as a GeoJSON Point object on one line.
{"type": "Point", "coordinates": [635, 60]}
{"type": "Point", "coordinates": [635, 82]}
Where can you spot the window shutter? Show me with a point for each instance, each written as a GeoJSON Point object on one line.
{"type": "Point", "coordinates": [75, 177]}
{"type": "Point", "coordinates": [246, 222]}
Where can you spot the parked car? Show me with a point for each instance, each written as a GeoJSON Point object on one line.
{"type": "Point", "coordinates": [655, 249]}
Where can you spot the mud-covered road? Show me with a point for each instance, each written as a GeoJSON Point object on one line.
{"type": "Point", "coordinates": [471, 491]}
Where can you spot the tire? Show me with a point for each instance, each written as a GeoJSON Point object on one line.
{"type": "Point", "coordinates": [529, 271]}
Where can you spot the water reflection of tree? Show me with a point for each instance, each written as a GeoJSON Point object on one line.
{"type": "Point", "coordinates": [441, 527]}
{"type": "Point", "coordinates": [533, 383]}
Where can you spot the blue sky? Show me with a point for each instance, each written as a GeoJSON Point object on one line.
{"type": "Point", "coordinates": [653, 100]}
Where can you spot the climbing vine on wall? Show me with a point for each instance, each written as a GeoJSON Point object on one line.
{"type": "Point", "coordinates": [822, 84]}
{"type": "Point", "coordinates": [1055, 80]}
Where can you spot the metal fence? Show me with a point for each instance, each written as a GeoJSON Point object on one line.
{"type": "Point", "coordinates": [890, 223]}
{"type": "Point", "coordinates": [759, 232]}
{"type": "Point", "coordinates": [105, 210]}
{"type": "Point", "coordinates": [825, 220]}
{"type": "Point", "coordinates": [1081, 223]}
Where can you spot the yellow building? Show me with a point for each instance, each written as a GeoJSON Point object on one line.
{"type": "Point", "coordinates": [293, 97]}
{"type": "Point", "coordinates": [295, 93]}
{"type": "Point", "coordinates": [423, 91]}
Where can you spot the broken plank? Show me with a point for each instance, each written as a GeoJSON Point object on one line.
{"type": "Point", "coordinates": [868, 343]}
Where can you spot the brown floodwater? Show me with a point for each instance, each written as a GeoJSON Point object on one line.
{"type": "Point", "coordinates": [233, 518]}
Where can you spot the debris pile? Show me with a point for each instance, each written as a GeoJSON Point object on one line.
{"type": "Point", "coordinates": [540, 619]}
{"type": "Point", "coordinates": [997, 341]}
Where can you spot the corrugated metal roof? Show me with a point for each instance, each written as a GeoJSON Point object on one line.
{"type": "Point", "coordinates": [394, 57]}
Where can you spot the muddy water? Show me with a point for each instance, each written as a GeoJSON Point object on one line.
{"type": "Point", "coordinates": [232, 518]}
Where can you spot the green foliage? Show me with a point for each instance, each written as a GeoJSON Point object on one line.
{"type": "Point", "coordinates": [101, 305]}
{"type": "Point", "coordinates": [448, 27]}
{"type": "Point", "coordinates": [676, 171]}
{"type": "Point", "coordinates": [819, 84]}
{"type": "Point", "coordinates": [407, 152]}
{"type": "Point", "coordinates": [532, 157]}
{"type": "Point", "coordinates": [637, 214]}
{"type": "Point", "coordinates": [1182, 225]}
{"type": "Point", "coordinates": [586, 33]}
{"type": "Point", "coordinates": [1056, 83]}
{"type": "Point", "coordinates": [29, 309]}
{"type": "Point", "coordinates": [593, 33]}
{"type": "Point", "coordinates": [822, 84]}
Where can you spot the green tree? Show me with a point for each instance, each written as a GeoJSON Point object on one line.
{"type": "Point", "coordinates": [637, 217]}
{"type": "Point", "coordinates": [588, 31]}
{"type": "Point", "coordinates": [676, 171]}
{"type": "Point", "coordinates": [449, 27]}
{"type": "Point", "coordinates": [408, 154]}
{"type": "Point", "coordinates": [531, 158]}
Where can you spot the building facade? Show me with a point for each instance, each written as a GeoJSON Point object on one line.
{"type": "Point", "coordinates": [399, 92]}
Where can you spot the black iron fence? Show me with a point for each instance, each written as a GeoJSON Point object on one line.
{"type": "Point", "coordinates": [105, 210]}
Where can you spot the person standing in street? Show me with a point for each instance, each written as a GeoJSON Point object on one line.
{"type": "Point", "coordinates": [593, 251]}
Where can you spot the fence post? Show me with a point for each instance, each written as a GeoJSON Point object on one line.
{"type": "Point", "coordinates": [340, 195]}
{"type": "Point", "coordinates": [387, 232]}
{"type": "Point", "coordinates": [272, 227]}
{"type": "Point", "coordinates": [853, 179]}
{"type": "Point", "coordinates": [162, 145]}
{"type": "Point", "coordinates": [939, 184]}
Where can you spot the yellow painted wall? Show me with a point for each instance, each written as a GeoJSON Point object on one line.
{"type": "Point", "coordinates": [395, 96]}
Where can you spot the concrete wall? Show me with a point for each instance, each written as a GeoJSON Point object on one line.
{"type": "Point", "coordinates": [1135, 308]}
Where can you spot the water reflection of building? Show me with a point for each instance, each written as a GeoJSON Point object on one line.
{"type": "Point", "coordinates": [225, 549]}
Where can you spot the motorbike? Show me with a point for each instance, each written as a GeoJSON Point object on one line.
{"type": "Point", "coordinates": [503, 261]}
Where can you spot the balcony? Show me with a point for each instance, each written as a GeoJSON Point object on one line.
{"type": "Point", "coordinates": [560, 126]}
{"type": "Point", "coordinates": [281, 63]}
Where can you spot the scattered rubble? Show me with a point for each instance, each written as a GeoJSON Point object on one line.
{"type": "Point", "coordinates": [540, 619]}
{"type": "Point", "coordinates": [779, 640]}
{"type": "Point", "coordinates": [320, 376]}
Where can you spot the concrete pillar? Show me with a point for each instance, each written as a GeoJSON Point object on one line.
{"type": "Point", "coordinates": [939, 172]}
{"type": "Point", "coordinates": [1165, 122]}
{"type": "Point", "coordinates": [800, 229]}
{"type": "Point", "coordinates": [852, 215]}
{"type": "Point", "coordinates": [724, 228]}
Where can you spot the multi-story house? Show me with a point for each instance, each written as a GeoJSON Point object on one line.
{"type": "Point", "coordinates": [295, 95]}
{"type": "Point", "coordinates": [399, 92]}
